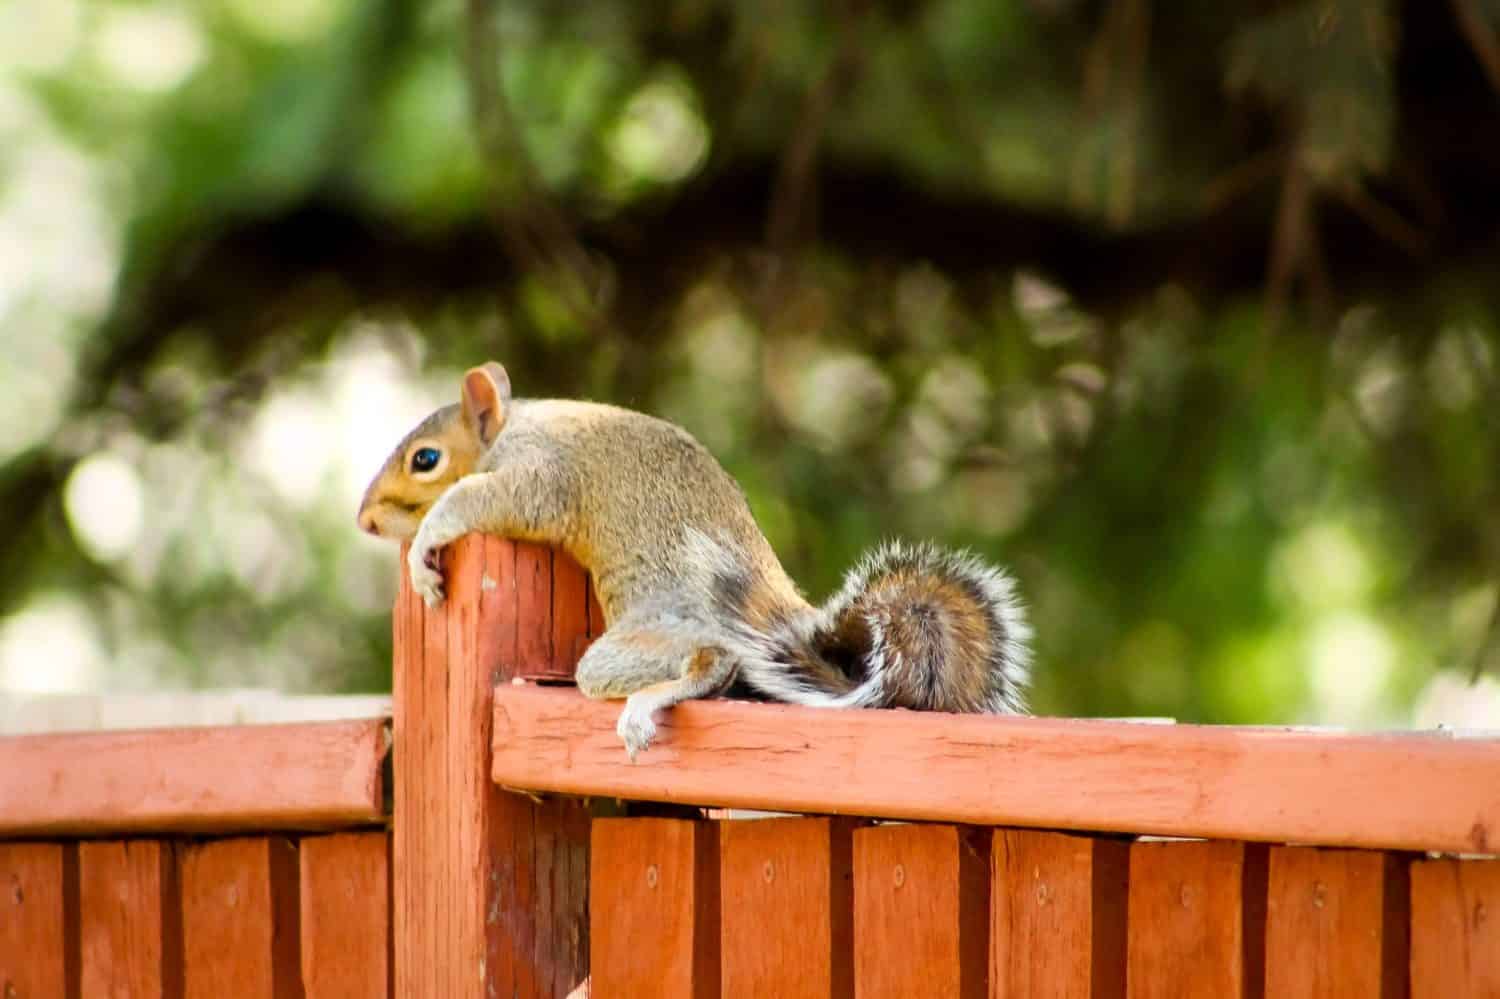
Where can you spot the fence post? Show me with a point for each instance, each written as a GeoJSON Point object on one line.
{"type": "Point", "coordinates": [489, 887]}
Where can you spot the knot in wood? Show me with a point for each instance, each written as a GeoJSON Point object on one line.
{"type": "Point", "coordinates": [768, 872]}
{"type": "Point", "coordinates": [1319, 894]}
{"type": "Point", "coordinates": [652, 876]}
{"type": "Point", "coordinates": [898, 875]}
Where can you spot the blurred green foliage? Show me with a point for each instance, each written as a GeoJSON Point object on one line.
{"type": "Point", "coordinates": [1185, 312]}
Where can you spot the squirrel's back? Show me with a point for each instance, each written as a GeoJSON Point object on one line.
{"type": "Point", "coordinates": [644, 491]}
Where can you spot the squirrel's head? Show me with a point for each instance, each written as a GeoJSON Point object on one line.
{"type": "Point", "coordinates": [440, 450]}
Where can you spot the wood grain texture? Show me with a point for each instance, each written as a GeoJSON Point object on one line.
{"type": "Point", "coordinates": [38, 921]}
{"type": "Point", "coordinates": [596, 615]}
{"type": "Point", "coordinates": [1389, 791]}
{"type": "Point", "coordinates": [788, 907]}
{"type": "Point", "coordinates": [921, 911]}
{"type": "Point", "coordinates": [130, 919]}
{"type": "Point", "coordinates": [570, 616]}
{"type": "Point", "coordinates": [1058, 915]}
{"type": "Point", "coordinates": [654, 912]}
{"type": "Point", "coordinates": [345, 915]}
{"type": "Point", "coordinates": [468, 876]}
{"type": "Point", "coordinates": [1336, 924]}
{"type": "Point", "coordinates": [248, 777]}
{"type": "Point", "coordinates": [1197, 921]}
{"type": "Point", "coordinates": [240, 920]}
{"type": "Point", "coordinates": [1455, 929]}
{"type": "Point", "coordinates": [534, 610]}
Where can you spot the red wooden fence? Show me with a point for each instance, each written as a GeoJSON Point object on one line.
{"type": "Point", "coordinates": [941, 855]}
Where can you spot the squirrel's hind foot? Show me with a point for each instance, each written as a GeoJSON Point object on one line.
{"type": "Point", "coordinates": [636, 728]}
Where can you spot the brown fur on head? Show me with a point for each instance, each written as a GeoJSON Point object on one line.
{"type": "Point", "coordinates": [437, 453]}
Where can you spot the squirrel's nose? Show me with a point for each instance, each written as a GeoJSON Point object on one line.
{"type": "Point", "coordinates": [367, 522]}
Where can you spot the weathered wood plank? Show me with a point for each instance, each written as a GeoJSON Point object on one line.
{"type": "Point", "coordinates": [240, 920]}
{"type": "Point", "coordinates": [788, 907]}
{"type": "Point", "coordinates": [249, 777]}
{"type": "Point", "coordinates": [1197, 921]}
{"type": "Point", "coordinates": [1389, 791]}
{"type": "Point", "coordinates": [1336, 924]}
{"type": "Point", "coordinates": [570, 616]}
{"type": "Point", "coordinates": [345, 890]}
{"type": "Point", "coordinates": [596, 615]}
{"type": "Point", "coordinates": [130, 919]}
{"type": "Point", "coordinates": [534, 611]}
{"type": "Point", "coordinates": [1455, 929]}
{"type": "Point", "coordinates": [38, 921]}
{"type": "Point", "coordinates": [475, 907]}
{"type": "Point", "coordinates": [921, 912]}
{"type": "Point", "coordinates": [654, 909]}
{"type": "Point", "coordinates": [1058, 915]}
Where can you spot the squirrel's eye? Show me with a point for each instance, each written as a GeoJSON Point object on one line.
{"type": "Point", "coordinates": [425, 459]}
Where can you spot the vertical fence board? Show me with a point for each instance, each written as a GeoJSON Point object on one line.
{"type": "Point", "coordinates": [572, 912]}
{"type": "Point", "coordinates": [921, 911]}
{"type": "Point", "coordinates": [654, 909]}
{"type": "Point", "coordinates": [570, 616]}
{"type": "Point", "coordinates": [409, 830]}
{"type": "Point", "coordinates": [38, 920]}
{"type": "Point", "coordinates": [1455, 929]}
{"type": "Point", "coordinates": [596, 615]}
{"type": "Point", "coordinates": [345, 891]}
{"type": "Point", "coordinates": [1058, 915]}
{"type": "Point", "coordinates": [479, 886]}
{"type": "Point", "coordinates": [467, 677]}
{"type": "Point", "coordinates": [546, 833]}
{"type": "Point", "coordinates": [1335, 924]}
{"type": "Point", "coordinates": [240, 920]}
{"type": "Point", "coordinates": [499, 631]}
{"type": "Point", "coordinates": [534, 610]}
{"type": "Point", "coordinates": [1197, 920]}
{"type": "Point", "coordinates": [130, 919]}
{"type": "Point", "coordinates": [787, 913]}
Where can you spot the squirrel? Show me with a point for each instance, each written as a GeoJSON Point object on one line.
{"type": "Point", "coordinates": [694, 598]}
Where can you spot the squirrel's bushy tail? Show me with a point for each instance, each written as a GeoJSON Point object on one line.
{"type": "Point", "coordinates": [913, 627]}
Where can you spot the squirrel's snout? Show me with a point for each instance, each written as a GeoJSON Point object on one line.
{"type": "Point", "coordinates": [367, 522]}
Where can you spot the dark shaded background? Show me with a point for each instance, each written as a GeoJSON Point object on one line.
{"type": "Point", "coordinates": [1186, 312]}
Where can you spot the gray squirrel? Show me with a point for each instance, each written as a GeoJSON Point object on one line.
{"type": "Point", "coordinates": [693, 596]}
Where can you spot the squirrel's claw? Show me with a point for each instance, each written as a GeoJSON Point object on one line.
{"type": "Point", "coordinates": [635, 727]}
{"type": "Point", "coordinates": [425, 579]}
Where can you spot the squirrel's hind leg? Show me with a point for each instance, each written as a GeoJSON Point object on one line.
{"type": "Point", "coordinates": [652, 668]}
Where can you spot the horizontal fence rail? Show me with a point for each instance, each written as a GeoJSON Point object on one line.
{"type": "Point", "coordinates": [1412, 792]}
{"type": "Point", "coordinates": [311, 775]}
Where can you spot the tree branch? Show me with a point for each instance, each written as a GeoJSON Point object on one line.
{"type": "Point", "coordinates": [538, 236]}
{"type": "Point", "coordinates": [1481, 38]}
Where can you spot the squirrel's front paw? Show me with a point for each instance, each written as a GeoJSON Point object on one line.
{"type": "Point", "coordinates": [421, 565]}
{"type": "Point", "coordinates": [635, 727]}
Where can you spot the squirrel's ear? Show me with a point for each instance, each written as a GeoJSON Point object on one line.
{"type": "Point", "coordinates": [486, 395]}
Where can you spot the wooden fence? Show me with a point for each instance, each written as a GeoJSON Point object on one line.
{"type": "Point", "coordinates": [931, 855]}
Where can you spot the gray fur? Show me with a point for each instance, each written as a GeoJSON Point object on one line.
{"type": "Point", "coordinates": [695, 597]}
